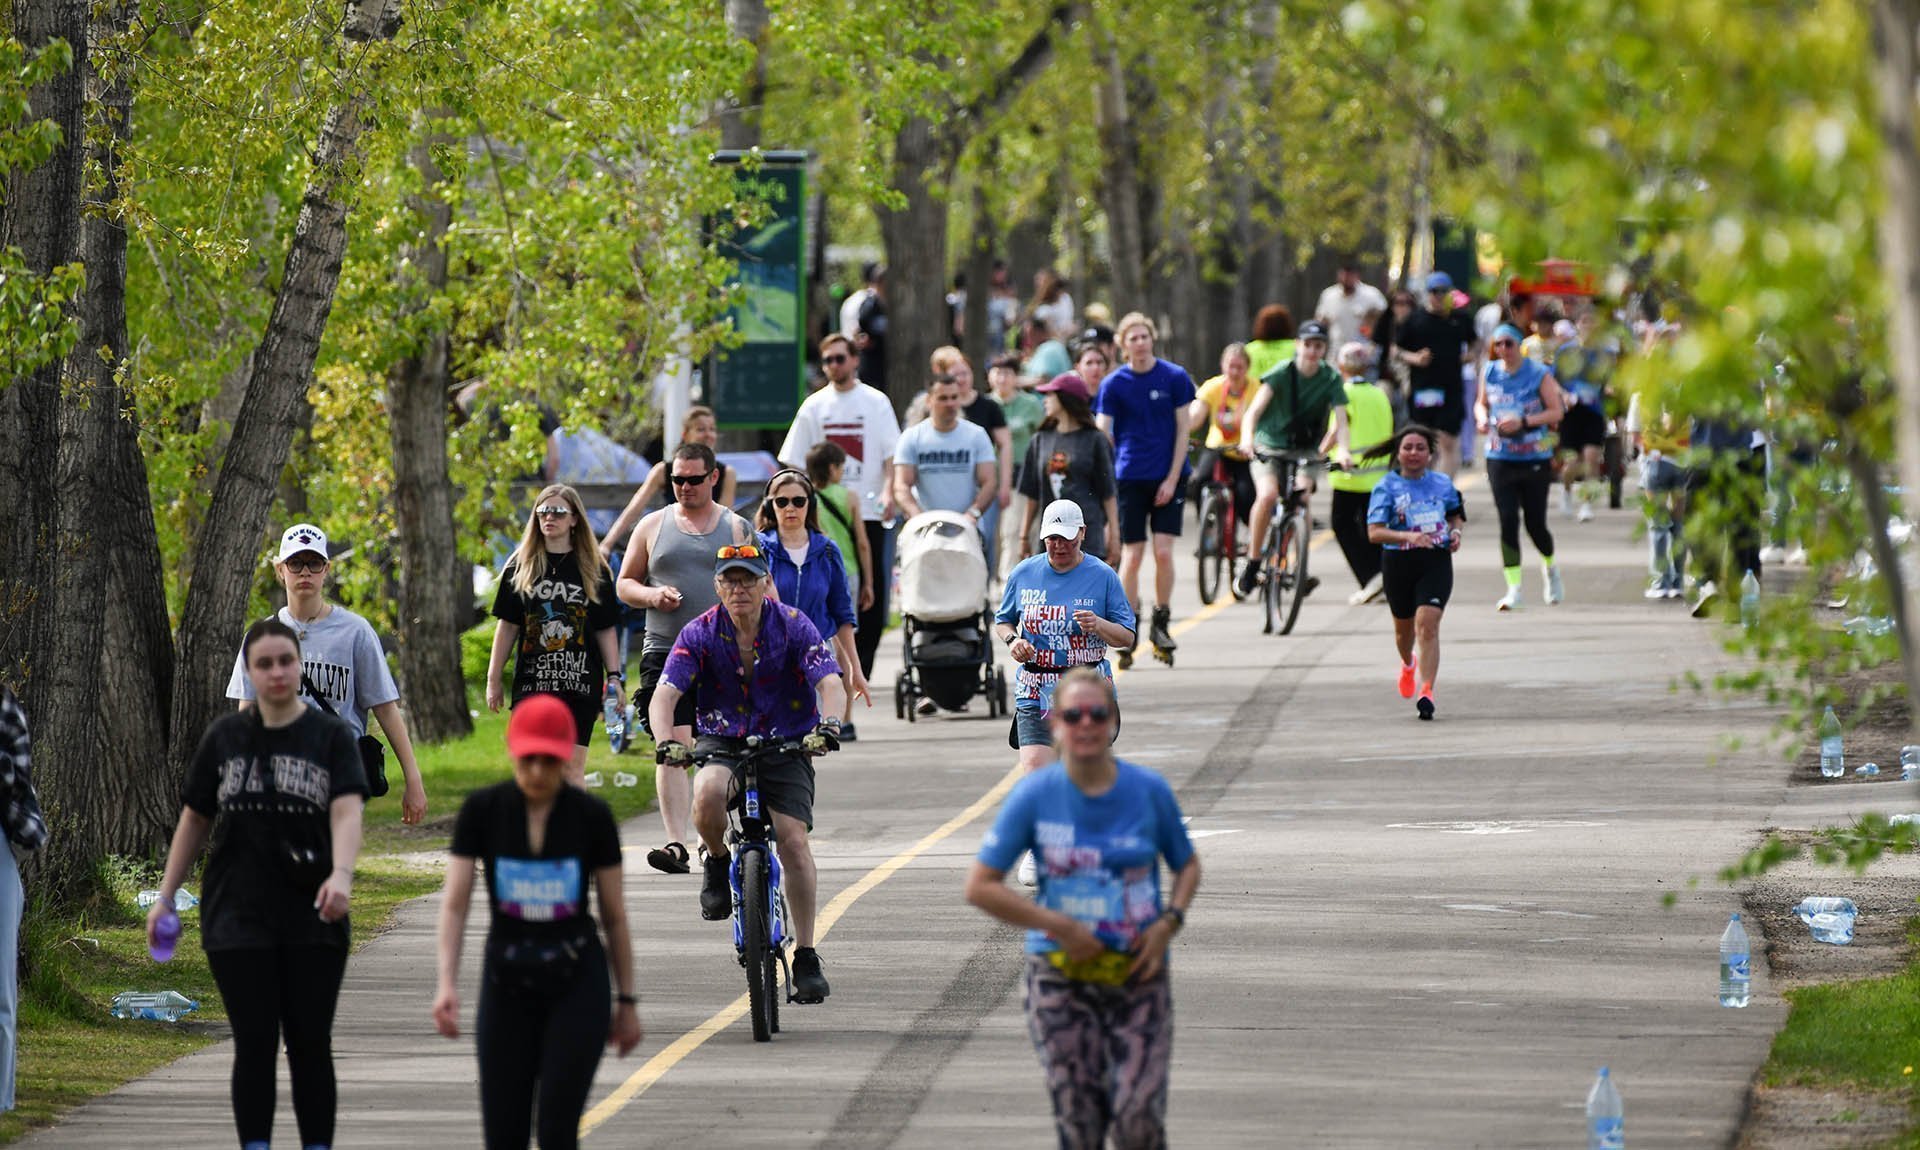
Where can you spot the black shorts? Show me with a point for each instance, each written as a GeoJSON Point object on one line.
{"type": "Point", "coordinates": [1583, 426]}
{"type": "Point", "coordinates": [786, 781]}
{"type": "Point", "coordinates": [586, 712]}
{"type": "Point", "coordinates": [1137, 512]}
{"type": "Point", "coordinates": [1447, 419]}
{"type": "Point", "coordinates": [1415, 578]}
{"type": "Point", "coordinates": [652, 662]}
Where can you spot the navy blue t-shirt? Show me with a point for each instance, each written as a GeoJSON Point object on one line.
{"type": "Point", "coordinates": [1142, 407]}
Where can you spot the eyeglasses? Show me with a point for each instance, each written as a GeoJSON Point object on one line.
{"type": "Point", "coordinates": [790, 500]}
{"type": "Point", "coordinates": [690, 480]}
{"type": "Point", "coordinates": [552, 512]}
{"type": "Point", "coordinates": [306, 566]}
{"type": "Point", "coordinates": [833, 359]}
{"type": "Point", "coordinates": [1072, 716]}
{"type": "Point", "coordinates": [743, 551]}
{"type": "Point", "coordinates": [739, 586]}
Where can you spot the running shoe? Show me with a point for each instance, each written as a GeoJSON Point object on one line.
{"type": "Point", "coordinates": [1586, 513]}
{"type": "Point", "coordinates": [1027, 872]}
{"type": "Point", "coordinates": [1674, 591]}
{"type": "Point", "coordinates": [1703, 604]}
{"type": "Point", "coordinates": [925, 707]}
{"type": "Point", "coordinates": [1511, 601]}
{"type": "Point", "coordinates": [669, 859]}
{"type": "Point", "coordinates": [1406, 681]}
{"type": "Point", "coordinates": [1656, 589]}
{"type": "Point", "coordinates": [1424, 704]}
{"type": "Point", "coordinates": [847, 734]}
{"type": "Point", "coordinates": [1556, 591]}
{"type": "Point", "coordinates": [1367, 593]}
{"type": "Point", "coordinates": [716, 897]}
{"type": "Point", "coordinates": [809, 981]}
{"type": "Point", "coordinates": [1566, 501]}
{"type": "Point", "coordinates": [1249, 579]}
{"type": "Point", "coordinates": [1306, 588]}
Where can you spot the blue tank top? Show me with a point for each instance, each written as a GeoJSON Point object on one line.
{"type": "Point", "coordinates": [1516, 394]}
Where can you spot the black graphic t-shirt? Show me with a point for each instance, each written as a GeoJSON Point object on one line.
{"type": "Point", "coordinates": [545, 894]}
{"type": "Point", "coordinates": [557, 654]}
{"type": "Point", "coordinates": [270, 792]}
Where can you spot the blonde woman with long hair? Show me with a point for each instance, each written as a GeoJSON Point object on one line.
{"type": "Point", "coordinates": [556, 606]}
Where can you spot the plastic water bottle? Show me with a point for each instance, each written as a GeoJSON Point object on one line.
{"type": "Point", "coordinates": [183, 899]}
{"type": "Point", "coordinates": [1909, 763]}
{"type": "Point", "coordinates": [1736, 965]}
{"type": "Point", "coordinates": [613, 713]}
{"type": "Point", "coordinates": [1749, 599]}
{"type": "Point", "coordinates": [1830, 919]}
{"type": "Point", "coordinates": [1606, 1115]}
{"type": "Point", "coordinates": [1833, 758]}
{"type": "Point", "coordinates": [152, 1005]}
{"type": "Point", "coordinates": [595, 779]}
{"type": "Point", "coordinates": [1867, 769]}
{"type": "Point", "coordinates": [166, 935]}
{"type": "Point", "coordinates": [623, 779]}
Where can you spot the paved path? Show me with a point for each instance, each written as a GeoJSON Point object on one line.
{"type": "Point", "coordinates": [1408, 934]}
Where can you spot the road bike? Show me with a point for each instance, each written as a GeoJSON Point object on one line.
{"type": "Point", "coordinates": [1282, 580]}
{"type": "Point", "coordinates": [1219, 549]}
{"type": "Point", "coordinates": [760, 934]}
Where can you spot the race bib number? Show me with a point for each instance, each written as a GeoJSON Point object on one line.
{"type": "Point", "coordinates": [1087, 898]}
{"type": "Point", "coordinates": [1429, 397]}
{"type": "Point", "coordinates": [538, 890]}
{"type": "Point", "coordinates": [1428, 520]}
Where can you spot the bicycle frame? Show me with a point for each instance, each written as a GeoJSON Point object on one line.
{"type": "Point", "coordinates": [1229, 515]}
{"type": "Point", "coordinates": [754, 832]}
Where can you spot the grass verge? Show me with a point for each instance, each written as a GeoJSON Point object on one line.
{"type": "Point", "coordinates": [72, 1050]}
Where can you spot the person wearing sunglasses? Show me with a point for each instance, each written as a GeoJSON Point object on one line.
{"type": "Point", "coordinates": [765, 672]}
{"type": "Point", "coordinates": [1518, 410]}
{"type": "Point", "coordinates": [1099, 1000]}
{"type": "Point", "coordinates": [698, 427]}
{"type": "Point", "coordinates": [558, 618]}
{"type": "Point", "coordinates": [344, 661]}
{"type": "Point", "coordinates": [668, 572]}
{"type": "Point", "coordinates": [809, 572]}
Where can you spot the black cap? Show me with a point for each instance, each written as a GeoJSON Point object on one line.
{"type": "Point", "coordinates": [1312, 329]}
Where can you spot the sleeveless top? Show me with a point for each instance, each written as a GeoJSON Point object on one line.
{"type": "Point", "coordinates": [1512, 394]}
{"type": "Point", "coordinates": [685, 561]}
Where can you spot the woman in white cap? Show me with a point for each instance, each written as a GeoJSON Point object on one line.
{"type": "Point", "coordinates": [344, 670]}
{"type": "Point", "coordinates": [1059, 611]}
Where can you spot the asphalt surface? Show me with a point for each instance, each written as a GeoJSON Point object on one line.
{"type": "Point", "coordinates": [1408, 934]}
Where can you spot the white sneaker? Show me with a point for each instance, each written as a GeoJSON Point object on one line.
{"type": "Point", "coordinates": [1586, 513]}
{"type": "Point", "coordinates": [1368, 593]}
{"type": "Point", "coordinates": [1773, 553]}
{"type": "Point", "coordinates": [1566, 501]}
{"type": "Point", "coordinates": [926, 707]}
{"type": "Point", "coordinates": [1656, 590]}
{"type": "Point", "coordinates": [1511, 601]}
{"type": "Point", "coordinates": [1028, 874]}
{"type": "Point", "coordinates": [1796, 557]}
{"type": "Point", "coordinates": [1555, 590]}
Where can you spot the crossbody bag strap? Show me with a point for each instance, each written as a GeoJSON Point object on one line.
{"type": "Point", "coordinates": [306, 685]}
{"type": "Point", "coordinates": [839, 516]}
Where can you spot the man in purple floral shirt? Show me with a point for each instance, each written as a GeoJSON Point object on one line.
{"type": "Point", "coordinates": [763, 670]}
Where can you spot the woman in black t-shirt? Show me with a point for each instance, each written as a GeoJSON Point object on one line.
{"type": "Point", "coordinates": [543, 1014]}
{"type": "Point", "coordinates": [557, 611]}
{"type": "Point", "coordinates": [281, 788]}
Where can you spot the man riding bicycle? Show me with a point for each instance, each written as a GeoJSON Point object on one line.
{"type": "Point", "coordinates": [1289, 413]}
{"type": "Point", "coordinates": [763, 671]}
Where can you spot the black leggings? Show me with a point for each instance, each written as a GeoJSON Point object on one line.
{"type": "Point", "coordinates": [266, 991]}
{"type": "Point", "coordinates": [1350, 528]}
{"type": "Point", "coordinates": [552, 1042]}
{"type": "Point", "coordinates": [1239, 481]}
{"type": "Point", "coordinates": [1521, 486]}
{"type": "Point", "coordinates": [869, 624]}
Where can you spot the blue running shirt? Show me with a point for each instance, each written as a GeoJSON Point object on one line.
{"type": "Point", "coordinates": [1511, 395]}
{"type": "Point", "coordinates": [1040, 602]}
{"type": "Point", "coordinates": [1423, 504]}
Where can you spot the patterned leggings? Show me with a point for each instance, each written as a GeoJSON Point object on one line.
{"type": "Point", "coordinates": [1106, 1051]}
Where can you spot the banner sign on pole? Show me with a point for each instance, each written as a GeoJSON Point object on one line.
{"type": "Point", "coordinates": [760, 383]}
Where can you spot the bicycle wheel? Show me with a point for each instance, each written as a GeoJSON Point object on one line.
{"type": "Point", "coordinates": [1212, 544]}
{"type": "Point", "coordinates": [1272, 572]}
{"type": "Point", "coordinates": [755, 945]}
{"type": "Point", "coordinates": [1294, 544]}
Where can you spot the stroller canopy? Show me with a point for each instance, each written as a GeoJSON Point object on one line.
{"type": "Point", "coordinates": [943, 567]}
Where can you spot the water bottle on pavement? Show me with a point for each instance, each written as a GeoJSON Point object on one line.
{"type": "Point", "coordinates": [1606, 1115]}
{"type": "Point", "coordinates": [1909, 763]}
{"type": "Point", "coordinates": [1833, 758]}
{"type": "Point", "coordinates": [613, 713]}
{"type": "Point", "coordinates": [1736, 964]}
{"type": "Point", "coordinates": [1830, 919]}
{"type": "Point", "coordinates": [1867, 770]}
{"type": "Point", "coordinates": [152, 1005]}
{"type": "Point", "coordinates": [1749, 599]}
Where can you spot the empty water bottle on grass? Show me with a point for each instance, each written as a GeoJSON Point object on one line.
{"type": "Point", "coordinates": [595, 779]}
{"type": "Point", "coordinates": [1736, 965]}
{"type": "Point", "coordinates": [153, 1005]}
{"type": "Point", "coordinates": [1867, 770]}
{"type": "Point", "coordinates": [1606, 1115]}
{"type": "Point", "coordinates": [1833, 757]}
{"type": "Point", "coordinates": [623, 779]}
{"type": "Point", "coordinates": [1830, 919]}
{"type": "Point", "coordinates": [183, 900]}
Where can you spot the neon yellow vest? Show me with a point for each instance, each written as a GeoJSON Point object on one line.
{"type": "Point", "coordinates": [1369, 421]}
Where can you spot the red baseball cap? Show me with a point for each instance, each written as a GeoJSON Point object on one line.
{"type": "Point", "coordinates": [542, 725]}
{"type": "Point", "coordinates": [1067, 381]}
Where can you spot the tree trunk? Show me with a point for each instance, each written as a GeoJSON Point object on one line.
{"type": "Point", "coordinates": [243, 495]}
{"type": "Point", "coordinates": [1895, 23]}
{"type": "Point", "coordinates": [1119, 178]}
{"type": "Point", "coordinates": [980, 253]}
{"type": "Point", "coordinates": [740, 120]}
{"type": "Point", "coordinates": [916, 241]}
{"type": "Point", "coordinates": [434, 590]}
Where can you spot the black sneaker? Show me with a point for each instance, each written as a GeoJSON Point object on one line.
{"type": "Point", "coordinates": [716, 897]}
{"type": "Point", "coordinates": [1249, 579]}
{"type": "Point", "coordinates": [847, 734]}
{"type": "Point", "coordinates": [1306, 588]}
{"type": "Point", "coordinates": [809, 984]}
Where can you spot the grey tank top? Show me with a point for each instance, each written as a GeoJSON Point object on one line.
{"type": "Point", "coordinates": [686, 562]}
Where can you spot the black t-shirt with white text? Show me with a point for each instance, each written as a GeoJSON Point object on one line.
{"type": "Point", "coordinates": [537, 895]}
{"type": "Point", "coordinates": [270, 792]}
{"type": "Point", "coordinates": [1439, 384]}
{"type": "Point", "coordinates": [557, 653]}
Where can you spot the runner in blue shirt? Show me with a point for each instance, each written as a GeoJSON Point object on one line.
{"type": "Point", "coordinates": [1099, 1002]}
{"type": "Point", "coordinates": [1143, 405]}
{"type": "Point", "coordinates": [1519, 408]}
{"type": "Point", "coordinates": [1416, 516]}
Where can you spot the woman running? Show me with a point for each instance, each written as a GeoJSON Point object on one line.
{"type": "Point", "coordinates": [281, 789]}
{"type": "Point", "coordinates": [544, 1009]}
{"type": "Point", "coordinates": [345, 673]}
{"type": "Point", "coordinates": [808, 570]}
{"type": "Point", "coordinates": [698, 427]}
{"type": "Point", "coordinates": [1099, 1001]}
{"type": "Point", "coordinates": [557, 610]}
{"type": "Point", "coordinates": [1416, 515]}
{"type": "Point", "coordinates": [1519, 407]}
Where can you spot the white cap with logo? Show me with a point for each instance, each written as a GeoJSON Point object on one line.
{"type": "Point", "coordinates": [299, 538]}
{"type": "Point", "coordinates": [1063, 520]}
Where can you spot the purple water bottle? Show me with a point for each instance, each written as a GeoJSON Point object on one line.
{"type": "Point", "coordinates": [166, 933]}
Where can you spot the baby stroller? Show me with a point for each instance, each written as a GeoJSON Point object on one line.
{"type": "Point", "coordinates": [944, 617]}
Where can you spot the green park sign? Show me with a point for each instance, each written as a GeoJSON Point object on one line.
{"type": "Point", "coordinates": [759, 383]}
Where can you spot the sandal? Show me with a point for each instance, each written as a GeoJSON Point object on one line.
{"type": "Point", "coordinates": [671, 858]}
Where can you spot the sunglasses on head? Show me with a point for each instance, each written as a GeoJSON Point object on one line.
{"type": "Point", "coordinates": [552, 512]}
{"type": "Point", "coordinates": [1073, 716]}
{"type": "Point", "coordinates": [740, 551]}
{"type": "Point", "coordinates": [833, 359]}
{"type": "Point", "coordinates": [790, 500]}
{"type": "Point", "coordinates": [690, 480]}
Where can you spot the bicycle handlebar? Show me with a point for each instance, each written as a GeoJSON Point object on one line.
{"type": "Point", "coordinates": [757, 748]}
{"type": "Point", "coordinates": [1297, 456]}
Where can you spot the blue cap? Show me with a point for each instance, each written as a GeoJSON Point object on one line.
{"type": "Point", "coordinates": [1439, 281]}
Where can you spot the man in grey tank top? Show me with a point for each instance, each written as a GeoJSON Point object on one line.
{"type": "Point", "coordinates": [669, 572]}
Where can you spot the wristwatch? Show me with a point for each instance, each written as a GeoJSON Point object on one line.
{"type": "Point", "coordinates": [1009, 637]}
{"type": "Point", "coordinates": [627, 999]}
{"type": "Point", "coordinates": [1178, 916]}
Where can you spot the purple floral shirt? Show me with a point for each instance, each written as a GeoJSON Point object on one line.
{"type": "Point", "coordinates": [790, 658]}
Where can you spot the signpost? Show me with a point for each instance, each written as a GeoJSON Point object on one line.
{"type": "Point", "coordinates": [760, 382]}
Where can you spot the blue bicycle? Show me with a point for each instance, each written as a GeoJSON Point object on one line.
{"type": "Point", "coordinates": [760, 934]}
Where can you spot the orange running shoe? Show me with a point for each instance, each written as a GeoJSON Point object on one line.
{"type": "Point", "coordinates": [1406, 681]}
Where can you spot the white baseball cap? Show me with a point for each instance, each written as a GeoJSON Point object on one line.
{"type": "Point", "coordinates": [1062, 519]}
{"type": "Point", "coordinates": [300, 538]}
